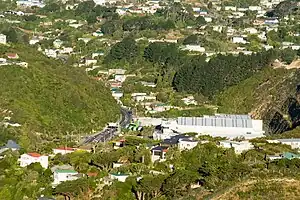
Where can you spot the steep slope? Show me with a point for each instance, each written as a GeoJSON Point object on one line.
{"type": "Point", "coordinates": [276, 188]}
{"type": "Point", "coordinates": [271, 95]}
{"type": "Point", "coordinates": [50, 96]}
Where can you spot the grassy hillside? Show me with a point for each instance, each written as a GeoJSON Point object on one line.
{"type": "Point", "coordinates": [50, 96]}
{"type": "Point", "coordinates": [280, 188]}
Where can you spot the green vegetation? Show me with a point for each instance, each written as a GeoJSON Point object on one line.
{"type": "Point", "coordinates": [51, 97]}
{"type": "Point", "coordinates": [243, 97]}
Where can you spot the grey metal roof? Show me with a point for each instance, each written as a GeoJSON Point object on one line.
{"type": "Point", "coordinates": [231, 116]}
{"type": "Point", "coordinates": [214, 121]}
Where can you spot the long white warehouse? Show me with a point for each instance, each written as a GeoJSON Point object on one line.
{"type": "Point", "coordinates": [219, 125]}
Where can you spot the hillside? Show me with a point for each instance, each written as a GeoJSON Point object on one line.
{"type": "Point", "coordinates": [270, 95]}
{"type": "Point", "coordinates": [50, 96]}
{"type": "Point", "coordinates": [280, 188]}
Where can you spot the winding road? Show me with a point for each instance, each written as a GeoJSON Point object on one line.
{"type": "Point", "coordinates": [108, 133]}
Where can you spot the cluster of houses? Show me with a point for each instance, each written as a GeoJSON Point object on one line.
{"type": "Point", "coordinates": [182, 141]}
{"type": "Point", "coordinates": [12, 59]}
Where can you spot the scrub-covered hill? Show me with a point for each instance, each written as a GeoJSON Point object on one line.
{"type": "Point", "coordinates": [277, 188]}
{"type": "Point", "coordinates": [52, 97]}
{"type": "Point", "coordinates": [271, 95]}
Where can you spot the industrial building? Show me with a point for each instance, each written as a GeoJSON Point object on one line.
{"type": "Point", "coordinates": [219, 125]}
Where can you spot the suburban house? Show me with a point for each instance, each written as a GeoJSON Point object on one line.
{"type": "Point", "coordinates": [190, 100]}
{"type": "Point", "coordinates": [187, 144]}
{"type": "Point", "coordinates": [114, 84]}
{"type": "Point", "coordinates": [117, 94]}
{"type": "Point", "coordinates": [158, 153]}
{"type": "Point", "coordinates": [116, 71]}
{"type": "Point", "coordinates": [12, 145]}
{"type": "Point", "coordinates": [51, 53]}
{"type": "Point", "coordinates": [2, 39]}
{"type": "Point", "coordinates": [143, 97]}
{"type": "Point", "coordinates": [183, 142]}
{"type": "Point", "coordinates": [293, 142]}
{"type": "Point", "coordinates": [12, 55]}
{"type": "Point", "coordinates": [61, 175]}
{"type": "Point", "coordinates": [63, 150]}
{"type": "Point", "coordinates": [89, 61]}
{"type": "Point", "coordinates": [285, 155]}
{"type": "Point", "coordinates": [238, 39]}
{"type": "Point", "coordinates": [34, 40]}
{"type": "Point", "coordinates": [96, 54]}
{"type": "Point", "coordinates": [30, 3]}
{"type": "Point", "coordinates": [119, 144]}
{"type": "Point", "coordinates": [238, 147]}
{"type": "Point", "coordinates": [190, 47]}
{"type": "Point", "coordinates": [29, 158]}
{"type": "Point", "coordinates": [66, 150]}
{"type": "Point", "coordinates": [159, 107]}
{"type": "Point", "coordinates": [120, 77]}
{"type": "Point", "coordinates": [148, 84]}
{"type": "Point", "coordinates": [117, 164]}
{"type": "Point", "coordinates": [118, 176]}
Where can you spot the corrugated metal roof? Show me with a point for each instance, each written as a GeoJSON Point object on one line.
{"type": "Point", "coordinates": [239, 121]}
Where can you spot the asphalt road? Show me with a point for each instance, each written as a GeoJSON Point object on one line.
{"type": "Point", "coordinates": [108, 133]}
{"type": "Point", "coordinates": [126, 117]}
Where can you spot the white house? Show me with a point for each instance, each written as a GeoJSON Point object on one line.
{"type": "Point", "coordinates": [239, 147]}
{"type": "Point", "coordinates": [148, 84]}
{"type": "Point", "coordinates": [29, 158]}
{"type": "Point", "coordinates": [96, 54]}
{"type": "Point", "coordinates": [120, 77]}
{"type": "Point", "coordinates": [30, 3]}
{"type": "Point", "coordinates": [190, 100]}
{"type": "Point", "coordinates": [186, 144]}
{"type": "Point", "coordinates": [251, 30]}
{"type": "Point", "coordinates": [63, 150]}
{"type": "Point", "coordinates": [293, 142]}
{"type": "Point", "coordinates": [120, 177]}
{"type": "Point", "coordinates": [66, 50]}
{"type": "Point", "coordinates": [116, 165]}
{"type": "Point", "coordinates": [254, 8]}
{"type": "Point", "coordinates": [197, 48]}
{"type": "Point", "coordinates": [90, 62]}
{"type": "Point", "coordinates": [34, 40]}
{"type": "Point", "coordinates": [62, 175]}
{"type": "Point", "coordinates": [117, 94]}
{"type": "Point", "coordinates": [97, 34]}
{"type": "Point", "coordinates": [159, 153]}
{"type": "Point", "coordinates": [238, 39]}
{"type": "Point", "coordinates": [230, 8]}
{"type": "Point", "coordinates": [51, 53]}
{"type": "Point", "coordinates": [66, 150]}
{"type": "Point", "coordinates": [2, 39]}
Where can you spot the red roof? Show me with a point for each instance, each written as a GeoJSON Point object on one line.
{"type": "Point", "coordinates": [92, 174]}
{"type": "Point", "coordinates": [34, 154]}
{"type": "Point", "coordinates": [11, 55]}
{"type": "Point", "coordinates": [66, 148]}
